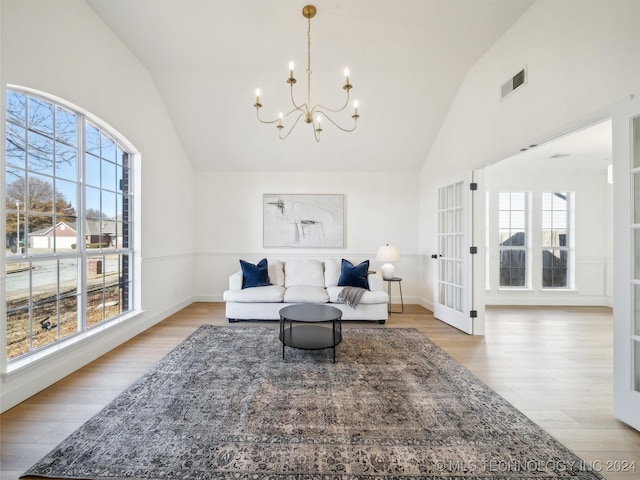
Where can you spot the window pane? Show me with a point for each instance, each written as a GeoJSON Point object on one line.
{"type": "Point", "coordinates": [45, 323]}
{"type": "Point", "coordinates": [16, 107]}
{"type": "Point", "coordinates": [40, 194]}
{"type": "Point", "coordinates": [108, 149]}
{"type": "Point", "coordinates": [66, 162]}
{"type": "Point", "coordinates": [92, 171]}
{"type": "Point", "coordinates": [18, 332]}
{"type": "Point", "coordinates": [40, 115]}
{"type": "Point", "coordinates": [108, 205]}
{"type": "Point", "coordinates": [41, 234]}
{"type": "Point", "coordinates": [518, 277]}
{"type": "Point", "coordinates": [637, 315]}
{"type": "Point", "coordinates": [66, 126]}
{"type": "Point", "coordinates": [93, 203]}
{"type": "Point", "coordinates": [517, 220]}
{"type": "Point", "coordinates": [518, 201]}
{"type": "Point", "coordinates": [636, 198]}
{"type": "Point", "coordinates": [92, 139]}
{"type": "Point", "coordinates": [119, 156]}
{"type": "Point", "coordinates": [15, 146]}
{"type": "Point", "coordinates": [109, 176]}
{"type": "Point", "coordinates": [636, 243]}
{"type": "Point", "coordinates": [512, 233]}
{"type": "Point", "coordinates": [69, 315]}
{"type": "Point", "coordinates": [518, 239]}
{"type": "Point", "coordinates": [636, 368]}
{"type": "Point", "coordinates": [555, 222]}
{"type": "Point", "coordinates": [66, 199]}
{"type": "Point", "coordinates": [40, 153]}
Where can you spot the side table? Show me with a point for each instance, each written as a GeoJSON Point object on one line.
{"type": "Point", "coordinates": [399, 282]}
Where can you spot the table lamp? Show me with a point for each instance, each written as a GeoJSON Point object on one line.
{"type": "Point", "coordinates": [387, 253]}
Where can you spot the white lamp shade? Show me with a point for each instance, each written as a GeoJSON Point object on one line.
{"type": "Point", "coordinates": [387, 253]}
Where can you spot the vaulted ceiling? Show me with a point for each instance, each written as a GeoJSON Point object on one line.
{"type": "Point", "coordinates": [407, 60]}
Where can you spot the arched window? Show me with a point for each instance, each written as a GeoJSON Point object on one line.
{"type": "Point", "coordinates": [68, 223]}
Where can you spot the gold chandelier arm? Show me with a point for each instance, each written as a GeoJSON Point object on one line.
{"type": "Point", "coordinates": [303, 108]}
{"type": "Point", "coordinates": [319, 108]}
{"type": "Point", "coordinates": [355, 122]}
{"type": "Point", "coordinates": [292, 126]}
{"type": "Point", "coordinates": [265, 121]}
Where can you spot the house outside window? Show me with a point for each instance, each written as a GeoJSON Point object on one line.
{"type": "Point", "coordinates": [513, 240]}
{"type": "Point", "coordinates": [555, 239]}
{"type": "Point", "coordinates": [68, 224]}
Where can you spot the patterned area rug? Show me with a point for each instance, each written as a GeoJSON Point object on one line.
{"type": "Point", "coordinates": [223, 404]}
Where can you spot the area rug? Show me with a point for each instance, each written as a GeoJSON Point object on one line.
{"type": "Point", "coordinates": [225, 405]}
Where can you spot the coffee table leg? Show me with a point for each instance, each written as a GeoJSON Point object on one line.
{"type": "Point", "coordinates": [334, 341]}
{"type": "Point", "coordinates": [282, 334]}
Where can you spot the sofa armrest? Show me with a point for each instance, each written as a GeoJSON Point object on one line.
{"type": "Point", "coordinates": [375, 282]}
{"type": "Point", "coordinates": [235, 281]}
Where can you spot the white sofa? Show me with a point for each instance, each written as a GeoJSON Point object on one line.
{"type": "Point", "coordinates": [302, 281]}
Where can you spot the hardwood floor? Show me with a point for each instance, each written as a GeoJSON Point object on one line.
{"type": "Point", "coordinates": [553, 363]}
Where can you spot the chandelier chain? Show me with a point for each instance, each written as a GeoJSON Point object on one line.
{"type": "Point", "coordinates": [309, 63]}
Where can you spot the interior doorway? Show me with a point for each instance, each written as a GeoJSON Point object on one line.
{"type": "Point", "coordinates": [558, 215]}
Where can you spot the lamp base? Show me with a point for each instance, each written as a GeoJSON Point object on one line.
{"type": "Point", "coordinates": [387, 271]}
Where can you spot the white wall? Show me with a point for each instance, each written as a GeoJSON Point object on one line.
{"type": "Point", "coordinates": [593, 226]}
{"type": "Point", "coordinates": [64, 49]}
{"type": "Point", "coordinates": [582, 57]}
{"type": "Point", "coordinates": [229, 225]}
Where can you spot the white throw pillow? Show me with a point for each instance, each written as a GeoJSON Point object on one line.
{"type": "Point", "coordinates": [332, 268]}
{"type": "Point", "coordinates": [303, 272]}
{"type": "Point", "coordinates": [276, 272]}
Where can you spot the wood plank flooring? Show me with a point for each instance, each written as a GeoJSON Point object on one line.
{"type": "Point", "coordinates": [553, 363]}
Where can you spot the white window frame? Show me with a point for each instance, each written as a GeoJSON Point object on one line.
{"type": "Point", "coordinates": [132, 250]}
{"type": "Point", "coordinates": [526, 248]}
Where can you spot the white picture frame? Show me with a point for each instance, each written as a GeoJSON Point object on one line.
{"type": "Point", "coordinates": [303, 220]}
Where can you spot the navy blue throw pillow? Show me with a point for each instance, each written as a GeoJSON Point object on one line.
{"type": "Point", "coordinates": [354, 276]}
{"type": "Point", "coordinates": [255, 275]}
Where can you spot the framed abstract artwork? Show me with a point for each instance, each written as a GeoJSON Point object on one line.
{"type": "Point", "coordinates": [303, 220]}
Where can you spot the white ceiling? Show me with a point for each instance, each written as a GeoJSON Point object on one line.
{"type": "Point", "coordinates": [588, 148]}
{"type": "Point", "coordinates": [407, 60]}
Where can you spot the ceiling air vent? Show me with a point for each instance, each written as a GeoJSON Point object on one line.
{"type": "Point", "coordinates": [518, 80]}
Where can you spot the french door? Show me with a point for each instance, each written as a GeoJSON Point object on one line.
{"type": "Point", "coordinates": [454, 285]}
{"type": "Point", "coordinates": [626, 334]}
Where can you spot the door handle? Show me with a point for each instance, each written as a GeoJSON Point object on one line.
{"type": "Point", "coordinates": [434, 256]}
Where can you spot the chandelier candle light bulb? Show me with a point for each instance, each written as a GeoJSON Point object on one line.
{"type": "Point", "coordinates": [306, 110]}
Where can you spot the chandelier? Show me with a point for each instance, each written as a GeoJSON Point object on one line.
{"type": "Point", "coordinates": [313, 115]}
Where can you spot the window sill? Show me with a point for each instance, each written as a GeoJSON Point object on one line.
{"type": "Point", "coordinates": [62, 346]}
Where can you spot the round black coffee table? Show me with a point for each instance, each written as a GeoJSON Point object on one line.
{"type": "Point", "coordinates": [301, 327]}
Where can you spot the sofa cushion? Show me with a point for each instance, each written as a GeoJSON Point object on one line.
{"type": "Point", "coordinates": [368, 297]}
{"type": "Point", "coordinates": [268, 294]}
{"type": "Point", "coordinates": [303, 272]}
{"type": "Point", "coordinates": [276, 272]}
{"type": "Point", "coordinates": [306, 294]}
{"type": "Point", "coordinates": [332, 271]}
{"type": "Point", "coordinates": [255, 275]}
{"type": "Point", "coordinates": [354, 275]}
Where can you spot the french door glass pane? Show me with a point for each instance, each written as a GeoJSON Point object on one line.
{"type": "Point", "coordinates": [636, 198]}
{"type": "Point", "coordinates": [637, 309]}
{"type": "Point", "coordinates": [636, 243]}
{"type": "Point", "coordinates": [636, 349]}
{"type": "Point", "coordinates": [636, 142]}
